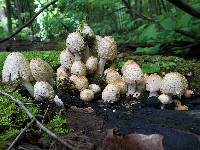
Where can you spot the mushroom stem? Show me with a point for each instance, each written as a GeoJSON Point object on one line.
{"type": "Point", "coordinates": [29, 87]}
{"type": "Point", "coordinates": [151, 94]}
{"type": "Point", "coordinates": [131, 89]}
{"type": "Point", "coordinates": [58, 101]}
{"type": "Point", "coordinates": [77, 56]}
{"type": "Point", "coordinates": [162, 106]}
{"type": "Point", "coordinates": [101, 65]}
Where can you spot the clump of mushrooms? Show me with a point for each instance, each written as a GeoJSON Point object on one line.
{"type": "Point", "coordinates": [107, 50]}
{"type": "Point", "coordinates": [153, 83]}
{"type": "Point", "coordinates": [75, 43]}
{"type": "Point", "coordinates": [41, 70]}
{"type": "Point", "coordinates": [16, 68]}
{"type": "Point", "coordinates": [131, 73]}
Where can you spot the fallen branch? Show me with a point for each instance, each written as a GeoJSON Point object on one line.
{"type": "Point", "coordinates": [29, 21]}
{"type": "Point", "coordinates": [39, 124]}
{"type": "Point", "coordinates": [21, 133]}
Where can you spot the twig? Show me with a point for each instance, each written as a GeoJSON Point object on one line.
{"type": "Point", "coordinates": [45, 115]}
{"type": "Point", "coordinates": [29, 21]}
{"type": "Point", "coordinates": [39, 124]}
{"type": "Point", "coordinates": [21, 133]}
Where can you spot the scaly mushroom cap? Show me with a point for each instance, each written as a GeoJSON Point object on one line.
{"type": "Point", "coordinates": [111, 93]}
{"type": "Point", "coordinates": [75, 42]}
{"type": "Point", "coordinates": [41, 70]}
{"type": "Point", "coordinates": [91, 64]}
{"type": "Point", "coordinates": [95, 88]}
{"type": "Point", "coordinates": [153, 83]}
{"type": "Point", "coordinates": [43, 90]}
{"type": "Point", "coordinates": [62, 73]}
{"type": "Point", "coordinates": [80, 82]}
{"type": "Point", "coordinates": [165, 99]}
{"type": "Point", "coordinates": [107, 48]}
{"type": "Point", "coordinates": [174, 83]}
{"type": "Point", "coordinates": [16, 66]}
{"type": "Point", "coordinates": [112, 75]}
{"type": "Point", "coordinates": [131, 72]}
{"type": "Point", "coordinates": [87, 95]}
{"type": "Point", "coordinates": [87, 31]}
{"type": "Point", "coordinates": [66, 59]}
{"type": "Point", "coordinates": [78, 68]}
{"type": "Point", "coordinates": [121, 85]}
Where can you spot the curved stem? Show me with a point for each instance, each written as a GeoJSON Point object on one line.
{"type": "Point", "coordinates": [29, 87]}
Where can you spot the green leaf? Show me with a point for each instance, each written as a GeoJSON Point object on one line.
{"type": "Point", "coordinates": [168, 24]}
{"type": "Point", "coordinates": [149, 50]}
{"type": "Point", "coordinates": [149, 33]}
{"type": "Point", "coordinates": [184, 20]}
{"type": "Point", "coordinates": [151, 68]}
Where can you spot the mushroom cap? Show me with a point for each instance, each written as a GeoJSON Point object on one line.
{"type": "Point", "coordinates": [62, 73]}
{"type": "Point", "coordinates": [80, 82]}
{"type": "Point", "coordinates": [111, 75]}
{"type": "Point", "coordinates": [131, 72]}
{"type": "Point", "coordinates": [121, 85]}
{"type": "Point", "coordinates": [165, 99]}
{"type": "Point", "coordinates": [91, 64]}
{"type": "Point", "coordinates": [174, 83]}
{"type": "Point", "coordinates": [87, 31]}
{"type": "Point", "coordinates": [78, 68]}
{"type": "Point", "coordinates": [16, 66]}
{"type": "Point", "coordinates": [75, 42]}
{"type": "Point", "coordinates": [107, 48]}
{"type": "Point", "coordinates": [73, 78]}
{"type": "Point", "coordinates": [153, 83]}
{"type": "Point", "coordinates": [43, 90]}
{"type": "Point", "coordinates": [111, 93]}
{"type": "Point", "coordinates": [95, 88]}
{"type": "Point", "coordinates": [66, 59]}
{"type": "Point", "coordinates": [87, 95]}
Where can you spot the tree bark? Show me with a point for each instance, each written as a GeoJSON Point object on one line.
{"type": "Point", "coordinates": [186, 7]}
{"type": "Point", "coordinates": [8, 14]}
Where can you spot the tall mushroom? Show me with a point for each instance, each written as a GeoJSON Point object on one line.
{"type": "Point", "coordinates": [66, 59]}
{"type": "Point", "coordinates": [75, 43]}
{"type": "Point", "coordinates": [131, 73]}
{"type": "Point", "coordinates": [16, 67]}
{"type": "Point", "coordinates": [153, 83]}
{"type": "Point", "coordinates": [41, 70]}
{"type": "Point", "coordinates": [107, 50]}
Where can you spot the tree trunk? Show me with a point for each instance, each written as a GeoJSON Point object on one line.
{"type": "Point", "coordinates": [8, 14]}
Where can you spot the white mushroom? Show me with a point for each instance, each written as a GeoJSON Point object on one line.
{"type": "Point", "coordinates": [153, 83]}
{"type": "Point", "coordinates": [95, 88]}
{"type": "Point", "coordinates": [91, 64]}
{"type": "Point", "coordinates": [62, 73]}
{"type": "Point", "coordinates": [131, 73]}
{"type": "Point", "coordinates": [75, 43]}
{"type": "Point", "coordinates": [164, 99]}
{"type": "Point", "coordinates": [78, 68]}
{"type": "Point", "coordinates": [80, 82]}
{"type": "Point", "coordinates": [87, 95]}
{"type": "Point", "coordinates": [174, 84]}
{"type": "Point", "coordinates": [121, 85]}
{"type": "Point", "coordinates": [16, 67]}
{"type": "Point", "coordinates": [107, 50]}
{"type": "Point", "coordinates": [87, 31]}
{"type": "Point", "coordinates": [41, 70]}
{"type": "Point", "coordinates": [111, 93]}
{"type": "Point", "coordinates": [66, 59]}
{"type": "Point", "coordinates": [112, 75]}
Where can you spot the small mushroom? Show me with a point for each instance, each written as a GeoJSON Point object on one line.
{"type": "Point", "coordinates": [41, 70]}
{"type": "Point", "coordinates": [111, 93]}
{"type": "Point", "coordinates": [188, 93]}
{"type": "Point", "coordinates": [66, 59]}
{"type": "Point", "coordinates": [87, 31]}
{"type": "Point", "coordinates": [131, 73]}
{"type": "Point", "coordinates": [153, 83]}
{"type": "Point", "coordinates": [87, 95]}
{"type": "Point", "coordinates": [107, 50]}
{"type": "Point", "coordinates": [16, 68]}
{"type": "Point", "coordinates": [174, 83]}
{"type": "Point", "coordinates": [112, 75]}
{"type": "Point", "coordinates": [78, 68]}
{"type": "Point", "coordinates": [91, 64]}
{"type": "Point", "coordinates": [80, 82]}
{"type": "Point", "coordinates": [95, 88]}
{"type": "Point", "coordinates": [75, 43]}
{"type": "Point", "coordinates": [180, 107]}
{"type": "Point", "coordinates": [62, 73]}
{"type": "Point", "coordinates": [121, 85]}
{"type": "Point", "coordinates": [164, 99]}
